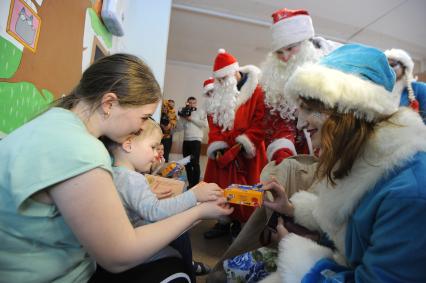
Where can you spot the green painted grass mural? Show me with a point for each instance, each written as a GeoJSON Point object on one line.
{"type": "Point", "coordinates": [99, 28]}
{"type": "Point", "coordinates": [19, 103]}
{"type": "Point", "coordinates": [10, 58]}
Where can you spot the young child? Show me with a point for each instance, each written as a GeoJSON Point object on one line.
{"type": "Point", "coordinates": [136, 155]}
{"type": "Point", "coordinates": [159, 161]}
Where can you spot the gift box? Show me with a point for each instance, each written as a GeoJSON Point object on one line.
{"type": "Point", "coordinates": [245, 194]}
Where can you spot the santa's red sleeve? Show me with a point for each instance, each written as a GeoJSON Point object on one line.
{"type": "Point", "coordinates": [217, 138]}
{"type": "Point", "coordinates": [282, 145]}
{"type": "Point", "coordinates": [280, 138]}
{"type": "Point", "coordinates": [254, 134]}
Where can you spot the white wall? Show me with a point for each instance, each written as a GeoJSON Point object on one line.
{"type": "Point", "coordinates": [146, 33]}
{"type": "Point", "coordinates": [185, 79]}
{"type": "Point", "coordinates": [181, 81]}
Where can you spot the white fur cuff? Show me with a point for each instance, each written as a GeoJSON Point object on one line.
{"type": "Point", "coordinates": [247, 144]}
{"type": "Point", "coordinates": [215, 146]}
{"type": "Point", "coordinates": [304, 204]}
{"type": "Point", "coordinates": [279, 144]}
{"type": "Point", "coordinates": [297, 255]}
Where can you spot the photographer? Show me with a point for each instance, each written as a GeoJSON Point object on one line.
{"type": "Point", "coordinates": [192, 121]}
{"type": "Point", "coordinates": [167, 123]}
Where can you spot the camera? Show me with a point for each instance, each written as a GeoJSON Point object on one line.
{"type": "Point", "coordinates": [186, 111]}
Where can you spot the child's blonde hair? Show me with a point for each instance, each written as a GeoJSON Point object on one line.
{"type": "Point", "coordinates": [150, 127]}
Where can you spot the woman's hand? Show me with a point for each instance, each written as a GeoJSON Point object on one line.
{"type": "Point", "coordinates": [207, 192]}
{"type": "Point", "coordinates": [214, 209]}
{"type": "Point", "coordinates": [280, 203]}
{"type": "Point", "coordinates": [282, 232]}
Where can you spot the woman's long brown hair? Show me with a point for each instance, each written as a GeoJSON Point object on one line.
{"type": "Point", "coordinates": [127, 76]}
{"type": "Point", "coordinates": [343, 137]}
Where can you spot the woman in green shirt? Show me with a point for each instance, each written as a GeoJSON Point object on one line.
{"type": "Point", "coordinates": [59, 209]}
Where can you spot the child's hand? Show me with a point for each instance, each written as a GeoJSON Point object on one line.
{"type": "Point", "coordinates": [214, 209]}
{"type": "Point", "coordinates": [207, 192]}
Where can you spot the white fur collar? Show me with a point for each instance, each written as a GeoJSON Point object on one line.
{"type": "Point", "coordinates": [391, 146]}
{"type": "Point", "coordinates": [250, 85]}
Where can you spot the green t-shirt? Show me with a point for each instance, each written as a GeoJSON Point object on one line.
{"type": "Point", "coordinates": [36, 243]}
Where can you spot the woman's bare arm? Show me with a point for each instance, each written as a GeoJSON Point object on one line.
{"type": "Point", "coordinates": [92, 208]}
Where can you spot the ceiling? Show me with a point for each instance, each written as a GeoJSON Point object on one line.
{"type": "Point", "coordinates": [198, 28]}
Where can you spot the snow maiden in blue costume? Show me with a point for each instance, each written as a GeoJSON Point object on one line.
{"type": "Point", "coordinates": [370, 195]}
{"type": "Point", "coordinates": [407, 91]}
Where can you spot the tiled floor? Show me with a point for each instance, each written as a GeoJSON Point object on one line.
{"type": "Point", "coordinates": [207, 251]}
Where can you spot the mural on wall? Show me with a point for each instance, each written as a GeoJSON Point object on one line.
{"type": "Point", "coordinates": [30, 81]}
{"type": "Point", "coordinates": [19, 103]}
{"type": "Point", "coordinates": [10, 57]}
{"type": "Point", "coordinates": [24, 24]}
{"type": "Point", "coordinates": [97, 39]}
{"type": "Point", "coordinates": [99, 28]}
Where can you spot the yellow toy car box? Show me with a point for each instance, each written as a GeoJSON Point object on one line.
{"type": "Point", "coordinates": [245, 194]}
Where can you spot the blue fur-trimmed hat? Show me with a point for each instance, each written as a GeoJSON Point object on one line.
{"type": "Point", "coordinates": [353, 77]}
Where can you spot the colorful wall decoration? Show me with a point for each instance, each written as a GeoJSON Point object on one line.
{"type": "Point", "coordinates": [24, 24]}
{"type": "Point", "coordinates": [19, 103]}
{"type": "Point", "coordinates": [43, 60]}
{"type": "Point", "coordinates": [10, 57]}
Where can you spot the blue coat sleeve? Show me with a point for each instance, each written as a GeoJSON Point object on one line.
{"type": "Point", "coordinates": [395, 250]}
{"type": "Point", "coordinates": [419, 89]}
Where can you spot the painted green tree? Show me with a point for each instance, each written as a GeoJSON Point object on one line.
{"type": "Point", "coordinates": [10, 57]}
{"type": "Point", "coordinates": [19, 103]}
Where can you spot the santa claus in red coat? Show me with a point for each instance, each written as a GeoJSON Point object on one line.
{"type": "Point", "coordinates": [236, 151]}
{"type": "Point", "coordinates": [293, 43]}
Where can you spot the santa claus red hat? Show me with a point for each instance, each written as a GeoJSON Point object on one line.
{"type": "Point", "coordinates": [208, 85]}
{"type": "Point", "coordinates": [290, 26]}
{"type": "Point", "coordinates": [225, 64]}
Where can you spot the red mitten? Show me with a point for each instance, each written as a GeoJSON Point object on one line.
{"type": "Point", "coordinates": [281, 154]}
{"type": "Point", "coordinates": [228, 156]}
{"type": "Point", "coordinates": [414, 104]}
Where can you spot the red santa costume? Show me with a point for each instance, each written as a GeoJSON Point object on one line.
{"type": "Point", "coordinates": [289, 27]}
{"type": "Point", "coordinates": [235, 121]}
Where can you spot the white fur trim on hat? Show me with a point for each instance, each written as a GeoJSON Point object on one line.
{"type": "Point", "coordinates": [401, 56]}
{"type": "Point", "coordinates": [207, 88]}
{"type": "Point", "coordinates": [346, 91]}
{"type": "Point", "coordinates": [226, 71]}
{"type": "Point", "coordinates": [279, 144]}
{"type": "Point", "coordinates": [211, 149]}
{"type": "Point", "coordinates": [291, 30]}
{"type": "Point", "coordinates": [247, 145]}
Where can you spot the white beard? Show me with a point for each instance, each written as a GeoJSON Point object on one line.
{"type": "Point", "coordinates": [223, 103]}
{"type": "Point", "coordinates": [275, 74]}
{"type": "Point", "coordinates": [208, 105]}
